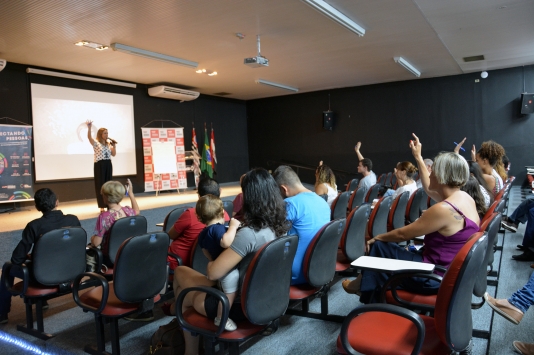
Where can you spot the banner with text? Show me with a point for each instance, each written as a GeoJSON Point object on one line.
{"type": "Point", "coordinates": [164, 159]}
{"type": "Point", "coordinates": [16, 163]}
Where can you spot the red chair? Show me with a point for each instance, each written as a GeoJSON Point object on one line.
{"type": "Point", "coordinates": [413, 210]}
{"type": "Point", "coordinates": [339, 206]}
{"type": "Point", "coordinates": [264, 297]}
{"type": "Point", "coordinates": [388, 329]}
{"type": "Point", "coordinates": [397, 211]}
{"type": "Point", "coordinates": [356, 198]}
{"type": "Point", "coordinates": [352, 185]}
{"type": "Point", "coordinates": [378, 220]}
{"type": "Point", "coordinates": [372, 193]}
{"type": "Point", "coordinates": [352, 244]}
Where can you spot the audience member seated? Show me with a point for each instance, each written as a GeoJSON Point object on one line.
{"type": "Point", "coordinates": [306, 211]}
{"type": "Point", "coordinates": [265, 220]}
{"type": "Point", "coordinates": [520, 214]}
{"type": "Point", "coordinates": [513, 309]}
{"type": "Point", "coordinates": [476, 172]}
{"type": "Point", "coordinates": [46, 202]}
{"type": "Point", "coordinates": [527, 246]}
{"type": "Point", "coordinates": [325, 183]}
{"type": "Point", "coordinates": [506, 165]}
{"type": "Point", "coordinates": [365, 167]}
{"type": "Point", "coordinates": [186, 229]}
{"type": "Point", "coordinates": [488, 157]}
{"type": "Point", "coordinates": [447, 225]}
{"type": "Point", "coordinates": [238, 203]}
{"type": "Point", "coordinates": [428, 164]}
{"type": "Point", "coordinates": [473, 189]}
{"type": "Point", "coordinates": [405, 172]}
{"type": "Point", "coordinates": [112, 192]}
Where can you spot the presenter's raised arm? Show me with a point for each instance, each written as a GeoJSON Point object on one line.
{"type": "Point", "coordinates": [89, 128]}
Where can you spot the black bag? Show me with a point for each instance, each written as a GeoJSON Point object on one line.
{"type": "Point", "coordinates": [168, 340]}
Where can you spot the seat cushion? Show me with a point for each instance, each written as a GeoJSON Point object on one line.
{"type": "Point", "coordinates": [299, 292]}
{"type": "Point", "coordinates": [114, 306]}
{"type": "Point", "coordinates": [244, 329]}
{"type": "Point", "coordinates": [429, 300]}
{"type": "Point", "coordinates": [36, 289]}
{"type": "Point", "coordinates": [377, 333]}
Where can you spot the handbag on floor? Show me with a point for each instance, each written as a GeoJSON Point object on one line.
{"type": "Point", "coordinates": [168, 340]}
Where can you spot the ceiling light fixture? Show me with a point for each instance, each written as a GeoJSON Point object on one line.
{"type": "Point", "coordinates": [276, 85]}
{"type": "Point", "coordinates": [401, 61]}
{"type": "Point", "coordinates": [80, 77]}
{"type": "Point", "coordinates": [329, 11]}
{"type": "Point", "coordinates": [93, 45]}
{"type": "Point", "coordinates": [152, 55]}
{"type": "Point", "coordinates": [204, 71]}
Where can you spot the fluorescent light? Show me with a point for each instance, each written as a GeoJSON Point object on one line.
{"type": "Point", "coordinates": [328, 10]}
{"type": "Point", "coordinates": [152, 55]}
{"type": "Point", "coordinates": [276, 85]}
{"type": "Point", "coordinates": [80, 77]}
{"type": "Point", "coordinates": [407, 66]}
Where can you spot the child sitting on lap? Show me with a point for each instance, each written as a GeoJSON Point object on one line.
{"type": "Point", "coordinates": [213, 240]}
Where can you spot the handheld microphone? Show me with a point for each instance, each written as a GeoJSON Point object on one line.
{"type": "Point", "coordinates": [112, 141]}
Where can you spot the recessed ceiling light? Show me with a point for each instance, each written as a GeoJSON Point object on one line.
{"type": "Point", "coordinates": [93, 45]}
{"type": "Point", "coordinates": [204, 71]}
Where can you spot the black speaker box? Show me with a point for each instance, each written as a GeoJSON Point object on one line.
{"type": "Point", "coordinates": [527, 104]}
{"type": "Point", "coordinates": [328, 120]}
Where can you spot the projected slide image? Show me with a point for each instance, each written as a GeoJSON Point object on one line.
{"type": "Point", "coordinates": [62, 149]}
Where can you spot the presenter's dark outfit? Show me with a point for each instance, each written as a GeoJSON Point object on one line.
{"type": "Point", "coordinates": [103, 169]}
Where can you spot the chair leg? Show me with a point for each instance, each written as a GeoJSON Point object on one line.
{"type": "Point", "coordinates": [39, 314]}
{"type": "Point", "coordinates": [115, 341]}
{"type": "Point", "coordinates": [29, 329]}
{"type": "Point", "coordinates": [100, 348]}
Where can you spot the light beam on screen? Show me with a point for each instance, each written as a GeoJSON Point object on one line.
{"type": "Point", "coordinates": [62, 149]}
{"type": "Point", "coordinates": [21, 344]}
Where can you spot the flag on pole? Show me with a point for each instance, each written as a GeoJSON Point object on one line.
{"type": "Point", "coordinates": [205, 164]}
{"type": "Point", "coordinates": [194, 144]}
{"type": "Point", "coordinates": [212, 148]}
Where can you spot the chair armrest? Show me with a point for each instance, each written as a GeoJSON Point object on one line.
{"type": "Point", "coordinates": [221, 297]}
{"type": "Point", "coordinates": [21, 271]}
{"type": "Point", "coordinates": [442, 268]}
{"type": "Point", "coordinates": [386, 308]}
{"type": "Point", "coordinates": [391, 266]}
{"type": "Point", "coordinates": [100, 281]}
{"type": "Point", "coordinates": [394, 281]}
{"type": "Point", "coordinates": [174, 256]}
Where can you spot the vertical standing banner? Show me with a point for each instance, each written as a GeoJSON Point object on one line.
{"type": "Point", "coordinates": [16, 163]}
{"type": "Point", "coordinates": [154, 151]}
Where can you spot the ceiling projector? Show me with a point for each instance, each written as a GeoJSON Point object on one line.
{"type": "Point", "coordinates": [257, 61]}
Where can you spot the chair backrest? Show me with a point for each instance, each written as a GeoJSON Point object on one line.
{"type": "Point", "coordinates": [491, 209]}
{"type": "Point", "coordinates": [141, 267]}
{"type": "Point", "coordinates": [378, 220]}
{"type": "Point", "coordinates": [500, 206]}
{"type": "Point", "coordinates": [423, 205]}
{"type": "Point", "coordinates": [413, 210]}
{"type": "Point", "coordinates": [352, 241]}
{"type": "Point", "coordinates": [491, 228]}
{"type": "Point", "coordinates": [452, 315]}
{"type": "Point", "coordinates": [199, 262]}
{"type": "Point", "coordinates": [397, 211]}
{"type": "Point", "coordinates": [172, 217]}
{"type": "Point", "coordinates": [123, 229]}
{"type": "Point", "coordinates": [353, 184]}
{"type": "Point", "coordinates": [319, 262]}
{"type": "Point", "coordinates": [393, 180]}
{"type": "Point", "coordinates": [59, 256]}
{"type": "Point", "coordinates": [265, 290]}
{"type": "Point", "coordinates": [389, 176]}
{"type": "Point", "coordinates": [381, 179]}
{"type": "Point", "coordinates": [339, 205]}
{"type": "Point", "coordinates": [356, 198]}
{"type": "Point", "coordinates": [372, 193]}
{"type": "Point", "coordinates": [228, 207]}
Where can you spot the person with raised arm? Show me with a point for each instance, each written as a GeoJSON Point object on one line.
{"type": "Point", "coordinates": [365, 167]}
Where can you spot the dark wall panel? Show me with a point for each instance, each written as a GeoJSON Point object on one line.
{"type": "Point", "coordinates": [227, 116]}
{"type": "Point", "coordinates": [439, 110]}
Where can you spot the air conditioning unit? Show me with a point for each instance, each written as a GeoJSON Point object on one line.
{"type": "Point", "coordinates": [168, 92]}
{"type": "Point", "coordinates": [3, 64]}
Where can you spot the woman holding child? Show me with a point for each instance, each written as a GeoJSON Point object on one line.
{"type": "Point", "coordinates": [264, 220]}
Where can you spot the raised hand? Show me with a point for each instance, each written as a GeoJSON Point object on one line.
{"type": "Point", "coordinates": [459, 146]}
{"type": "Point", "coordinates": [473, 153]}
{"type": "Point", "coordinates": [416, 146]}
{"type": "Point", "coordinates": [89, 123]}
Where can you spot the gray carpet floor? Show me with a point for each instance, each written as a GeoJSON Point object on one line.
{"type": "Point", "coordinates": [296, 335]}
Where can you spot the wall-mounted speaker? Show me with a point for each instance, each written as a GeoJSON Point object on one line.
{"type": "Point", "coordinates": [527, 103]}
{"type": "Point", "coordinates": [328, 120]}
{"type": "Point", "coordinates": [3, 64]}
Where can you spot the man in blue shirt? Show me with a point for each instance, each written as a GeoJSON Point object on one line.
{"type": "Point", "coordinates": [307, 212]}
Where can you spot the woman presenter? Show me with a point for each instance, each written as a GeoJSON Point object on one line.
{"type": "Point", "coordinates": [104, 148]}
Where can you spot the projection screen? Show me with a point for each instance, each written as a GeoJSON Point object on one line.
{"type": "Point", "coordinates": [62, 150]}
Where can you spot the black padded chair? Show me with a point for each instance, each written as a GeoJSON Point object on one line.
{"type": "Point", "coordinates": [381, 179]}
{"type": "Point", "coordinates": [389, 177]}
{"type": "Point", "coordinates": [58, 257]}
{"type": "Point", "coordinates": [372, 193]}
{"type": "Point", "coordinates": [172, 217]}
{"type": "Point", "coordinates": [139, 275]}
{"type": "Point", "coordinates": [199, 261]}
{"type": "Point", "coordinates": [319, 266]}
{"type": "Point", "coordinates": [353, 185]}
{"type": "Point", "coordinates": [352, 244]}
{"type": "Point", "coordinates": [264, 297]}
{"type": "Point", "coordinates": [423, 206]}
{"type": "Point", "coordinates": [121, 230]}
{"type": "Point", "coordinates": [397, 211]}
{"type": "Point", "coordinates": [413, 208]}
{"type": "Point", "coordinates": [339, 206]}
{"type": "Point", "coordinates": [405, 332]}
{"type": "Point", "coordinates": [378, 220]}
{"type": "Point", "coordinates": [228, 207]}
{"type": "Point", "coordinates": [356, 198]}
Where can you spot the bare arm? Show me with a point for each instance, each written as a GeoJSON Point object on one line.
{"type": "Point", "coordinates": [228, 237]}
{"type": "Point", "coordinates": [357, 150]}
{"type": "Point", "coordinates": [459, 146]}
{"type": "Point", "coordinates": [473, 153]}
{"type": "Point", "coordinates": [223, 264]}
{"type": "Point", "coordinates": [424, 176]}
{"type": "Point", "coordinates": [96, 240]}
{"type": "Point", "coordinates": [321, 189]}
{"type": "Point", "coordinates": [135, 206]}
{"type": "Point", "coordinates": [89, 126]}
